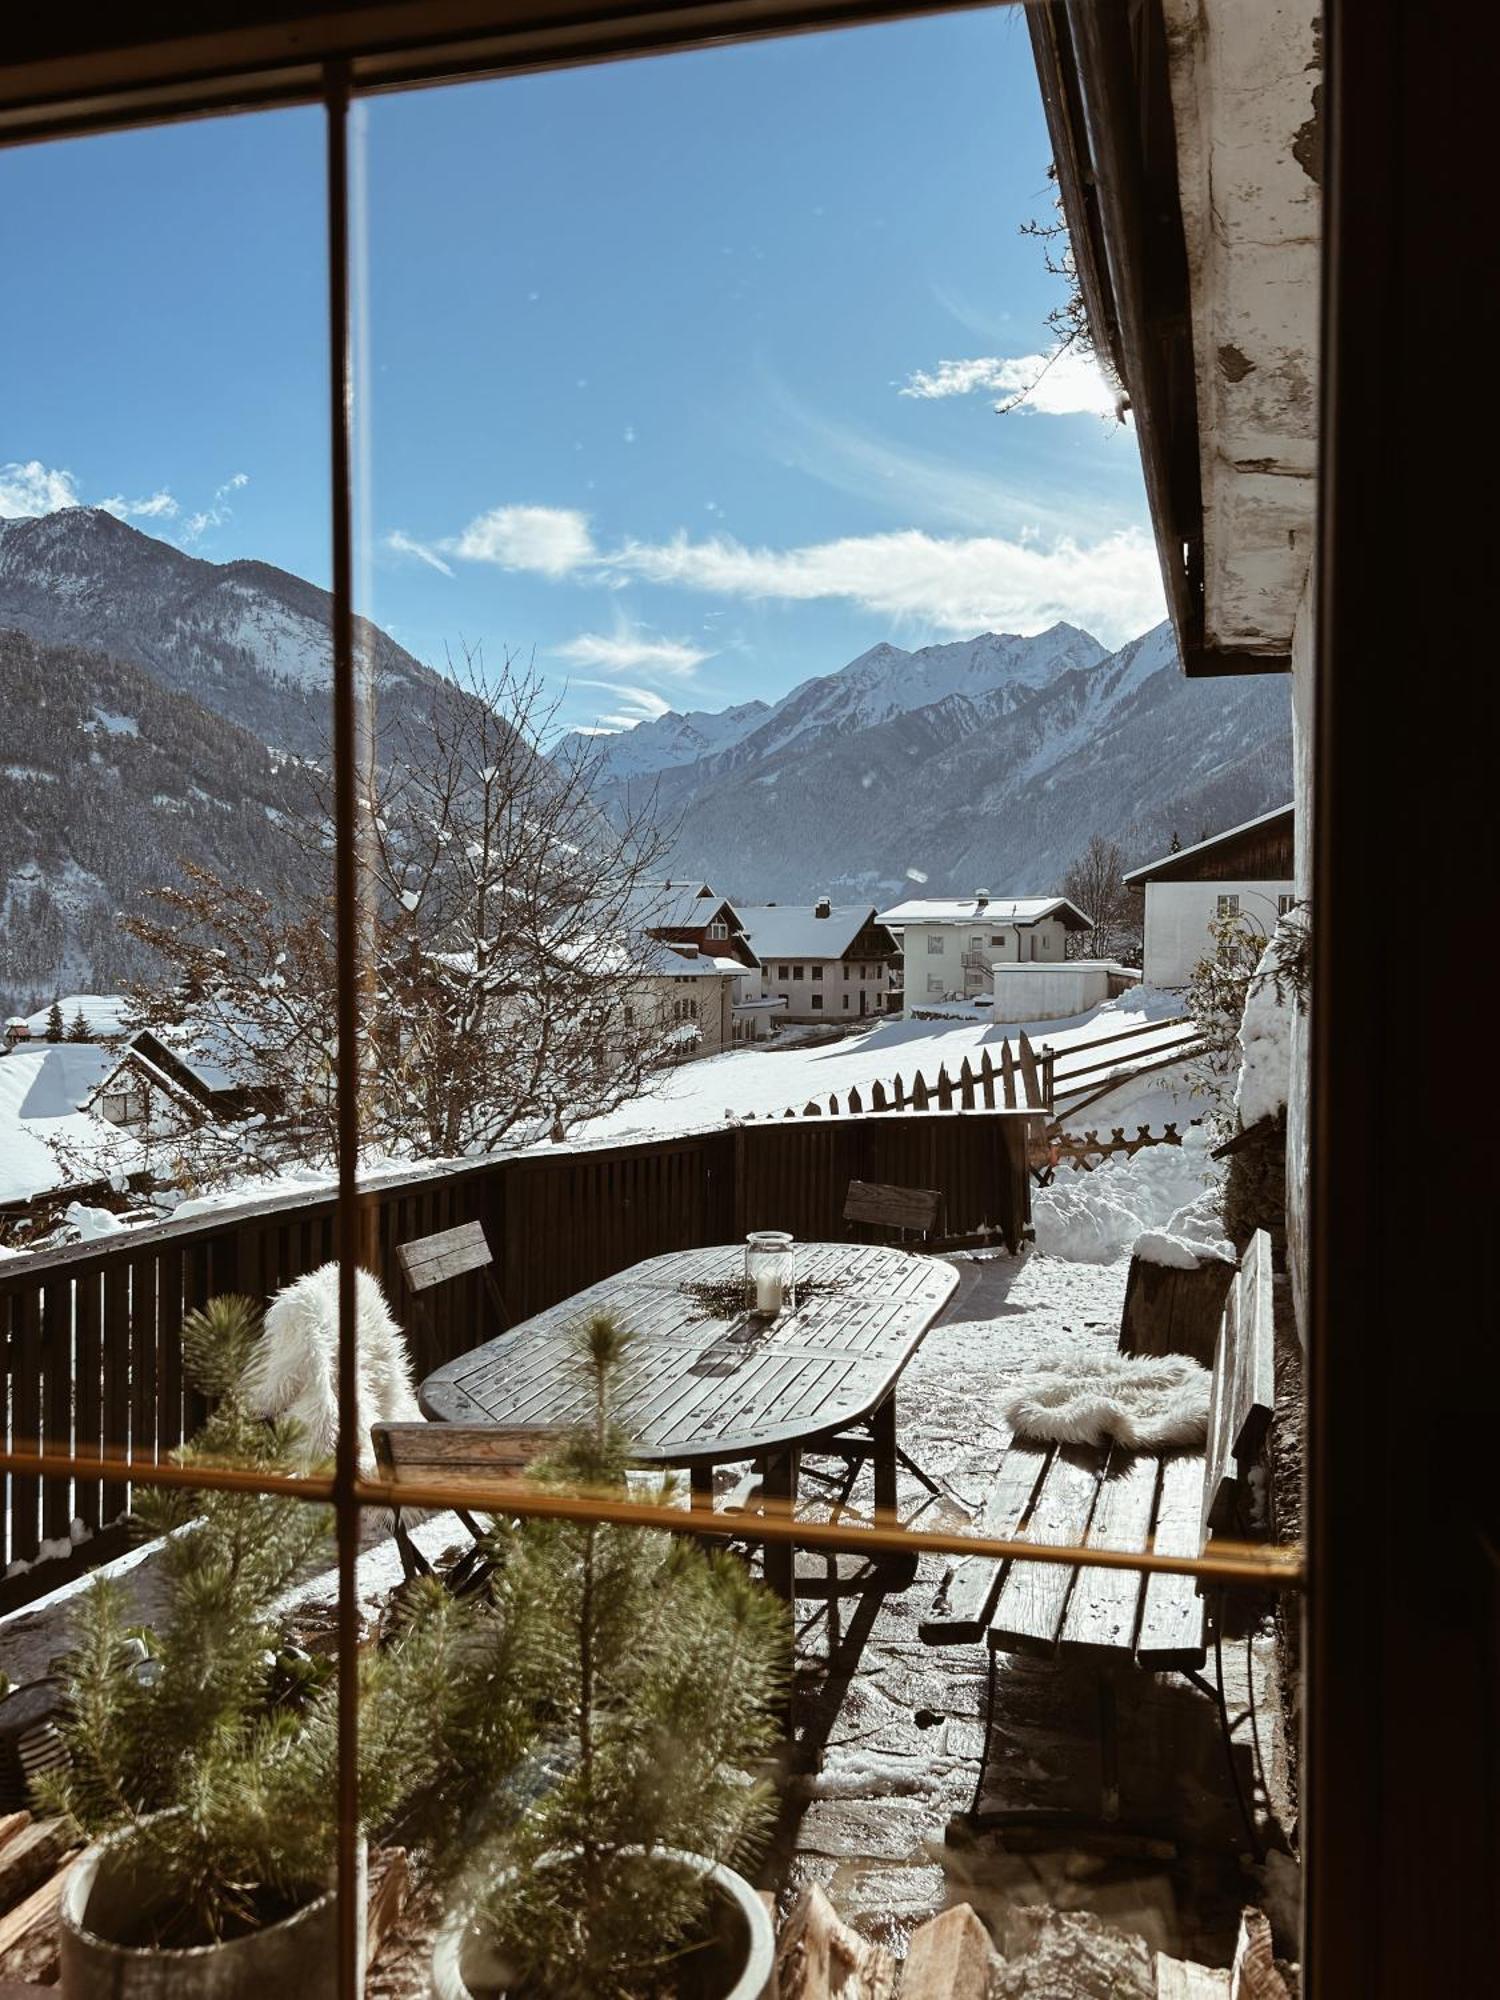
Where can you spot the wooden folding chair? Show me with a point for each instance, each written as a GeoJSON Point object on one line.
{"type": "Point", "coordinates": [453, 1455]}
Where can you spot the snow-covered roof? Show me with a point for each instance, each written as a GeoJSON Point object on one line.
{"type": "Point", "coordinates": [672, 962]}
{"type": "Point", "coordinates": [793, 930]}
{"type": "Point", "coordinates": [104, 1013]}
{"type": "Point", "coordinates": [990, 910]}
{"type": "Point", "coordinates": [1200, 848]}
{"type": "Point", "coordinates": [43, 1087]}
{"type": "Point", "coordinates": [678, 906]}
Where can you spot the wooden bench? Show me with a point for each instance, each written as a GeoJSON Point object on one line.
{"type": "Point", "coordinates": [895, 1208]}
{"type": "Point", "coordinates": [1106, 1497]}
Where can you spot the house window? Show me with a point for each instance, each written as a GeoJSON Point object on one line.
{"type": "Point", "coordinates": [817, 972]}
{"type": "Point", "coordinates": [936, 944]}
{"type": "Point", "coordinates": [783, 972]}
{"type": "Point", "coordinates": [846, 1003]}
{"type": "Point", "coordinates": [126, 1106]}
{"type": "Point", "coordinates": [934, 984]}
{"type": "Point", "coordinates": [718, 929]}
{"type": "Point", "coordinates": [1285, 903]}
{"type": "Point", "coordinates": [997, 937]}
{"type": "Point", "coordinates": [1229, 906]}
{"type": "Point", "coordinates": [629, 1017]}
{"type": "Point", "coordinates": [817, 1001]}
{"type": "Point", "coordinates": [848, 971]}
{"type": "Point", "coordinates": [685, 1010]}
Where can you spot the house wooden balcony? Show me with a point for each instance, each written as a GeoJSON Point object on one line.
{"type": "Point", "coordinates": [93, 1333]}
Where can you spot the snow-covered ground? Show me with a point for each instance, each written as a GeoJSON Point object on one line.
{"type": "Point", "coordinates": [768, 1079]}
{"type": "Point", "coordinates": [1163, 1202]}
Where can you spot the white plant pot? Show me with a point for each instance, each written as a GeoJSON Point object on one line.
{"type": "Point", "coordinates": [109, 1887]}
{"type": "Point", "coordinates": [464, 1966]}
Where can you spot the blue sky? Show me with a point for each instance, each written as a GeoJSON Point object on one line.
{"type": "Point", "coordinates": [680, 375]}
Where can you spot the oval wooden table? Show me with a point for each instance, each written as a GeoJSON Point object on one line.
{"type": "Point", "coordinates": [699, 1389]}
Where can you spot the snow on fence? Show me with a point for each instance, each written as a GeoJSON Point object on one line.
{"type": "Point", "coordinates": [92, 1335]}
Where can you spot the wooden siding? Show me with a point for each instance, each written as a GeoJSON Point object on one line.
{"type": "Point", "coordinates": [1264, 853]}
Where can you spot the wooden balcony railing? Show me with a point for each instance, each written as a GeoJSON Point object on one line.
{"type": "Point", "coordinates": [92, 1334]}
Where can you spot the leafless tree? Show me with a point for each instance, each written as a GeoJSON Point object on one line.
{"type": "Point", "coordinates": [1096, 883]}
{"type": "Point", "coordinates": [505, 924]}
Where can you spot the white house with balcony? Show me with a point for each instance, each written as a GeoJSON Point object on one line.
{"type": "Point", "coordinates": [1246, 872]}
{"type": "Point", "coordinates": [830, 962]}
{"type": "Point", "coordinates": [950, 946]}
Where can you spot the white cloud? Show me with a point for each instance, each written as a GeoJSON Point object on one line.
{"type": "Point", "coordinates": [637, 704]}
{"type": "Point", "coordinates": [553, 541]}
{"type": "Point", "coordinates": [629, 652]}
{"type": "Point", "coordinates": [33, 488]}
{"type": "Point", "coordinates": [1067, 384]}
{"type": "Point", "coordinates": [958, 584]}
{"type": "Point", "coordinates": [160, 506]}
{"type": "Point", "coordinates": [402, 544]}
{"type": "Point", "coordinates": [218, 511]}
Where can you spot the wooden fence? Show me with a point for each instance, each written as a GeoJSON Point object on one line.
{"type": "Point", "coordinates": [92, 1335]}
{"type": "Point", "coordinates": [1020, 1081]}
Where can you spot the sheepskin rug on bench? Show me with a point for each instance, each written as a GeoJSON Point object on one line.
{"type": "Point", "coordinates": [1155, 1402]}
{"type": "Point", "coordinates": [295, 1370]}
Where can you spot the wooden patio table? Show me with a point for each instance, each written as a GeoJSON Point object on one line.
{"type": "Point", "coordinates": [698, 1389]}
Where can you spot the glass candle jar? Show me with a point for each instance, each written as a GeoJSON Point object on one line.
{"type": "Point", "coordinates": [770, 1278]}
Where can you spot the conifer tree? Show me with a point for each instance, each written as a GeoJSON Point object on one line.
{"type": "Point", "coordinates": [54, 1030]}
{"type": "Point", "coordinates": [79, 1029]}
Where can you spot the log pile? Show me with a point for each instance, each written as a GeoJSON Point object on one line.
{"type": "Point", "coordinates": [1047, 1953]}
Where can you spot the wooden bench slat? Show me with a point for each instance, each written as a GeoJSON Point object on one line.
{"type": "Point", "coordinates": [1244, 1384]}
{"type": "Point", "coordinates": [450, 1253]}
{"type": "Point", "coordinates": [417, 1452]}
{"type": "Point", "coordinates": [1171, 1633]}
{"type": "Point", "coordinates": [962, 1607]}
{"type": "Point", "coordinates": [1029, 1610]}
{"type": "Point", "coordinates": [892, 1207]}
{"type": "Point", "coordinates": [1104, 1606]}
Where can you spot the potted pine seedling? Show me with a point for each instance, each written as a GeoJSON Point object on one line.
{"type": "Point", "coordinates": [666, 1665]}
{"type": "Point", "coordinates": [206, 1777]}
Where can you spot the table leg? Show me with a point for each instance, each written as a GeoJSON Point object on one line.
{"type": "Point", "coordinates": [883, 1424]}
{"type": "Point", "coordinates": [779, 1493]}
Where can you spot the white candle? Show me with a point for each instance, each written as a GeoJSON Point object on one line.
{"type": "Point", "coordinates": [768, 1292]}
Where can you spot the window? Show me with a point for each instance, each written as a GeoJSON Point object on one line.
{"type": "Point", "coordinates": [783, 972]}
{"type": "Point", "coordinates": [997, 937]}
{"type": "Point", "coordinates": [125, 1105]}
{"type": "Point", "coordinates": [934, 985]}
{"type": "Point", "coordinates": [797, 971]}
{"type": "Point", "coordinates": [1229, 906]}
{"type": "Point", "coordinates": [718, 928]}
{"type": "Point", "coordinates": [1285, 903]}
{"type": "Point", "coordinates": [629, 1016]}
{"type": "Point", "coordinates": [817, 972]}
{"type": "Point", "coordinates": [817, 1002]}
{"type": "Point", "coordinates": [685, 1010]}
{"type": "Point", "coordinates": [937, 944]}
{"type": "Point", "coordinates": [846, 1003]}
{"type": "Point", "coordinates": [848, 971]}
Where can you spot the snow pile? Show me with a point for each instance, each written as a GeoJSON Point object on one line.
{"type": "Point", "coordinates": [1265, 1045]}
{"type": "Point", "coordinates": [90, 1223]}
{"type": "Point", "coordinates": [1167, 1194]}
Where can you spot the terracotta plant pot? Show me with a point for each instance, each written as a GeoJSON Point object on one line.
{"type": "Point", "coordinates": [110, 1889]}
{"type": "Point", "coordinates": [737, 1966]}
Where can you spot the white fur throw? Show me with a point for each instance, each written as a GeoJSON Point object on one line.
{"type": "Point", "coordinates": [1142, 1401]}
{"type": "Point", "coordinates": [295, 1370]}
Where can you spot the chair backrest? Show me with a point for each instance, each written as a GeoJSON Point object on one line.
{"type": "Point", "coordinates": [893, 1207]}
{"type": "Point", "coordinates": [429, 1261]}
{"type": "Point", "coordinates": [1175, 1309]}
{"type": "Point", "coordinates": [1243, 1398]}
{"type": "Point", "coordinates": [417, 1453]}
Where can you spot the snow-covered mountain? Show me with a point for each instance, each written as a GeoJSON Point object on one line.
{"type": "Point", "coordinates": [249, 641]}
{"type": "Point", "coordinates": [990, 761]}
{"type": "Point", "coordinates": [665, 741]}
